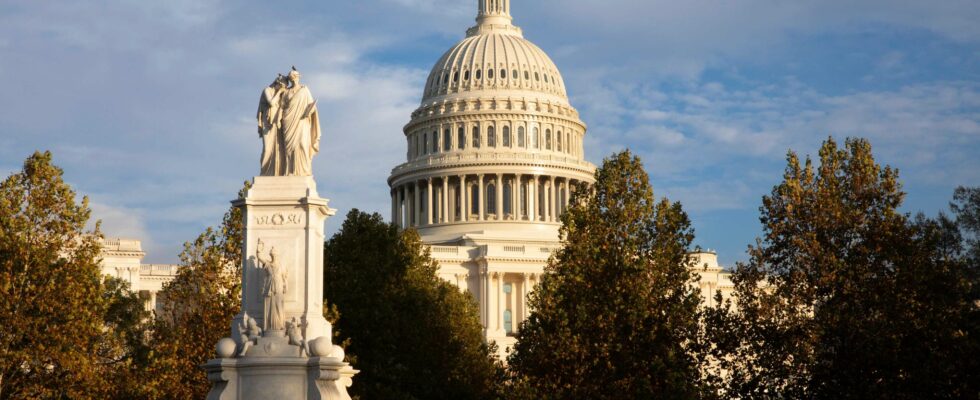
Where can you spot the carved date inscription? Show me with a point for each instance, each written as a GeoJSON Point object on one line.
{"type": "Point", "coordinates": [279, 219]}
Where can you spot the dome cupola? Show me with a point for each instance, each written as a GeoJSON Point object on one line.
{"type": "Point", "coordinates": [495, 143]}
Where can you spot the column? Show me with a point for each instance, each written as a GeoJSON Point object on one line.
{"type": "Point", "coordinates": [464, 207]}
{"type": "Point", "coordinates": [524, 292]}
{"type": "Point", "coordinates": [417, 204]}
{"type": "Point", "coordinates": [445, 200]}
{"type": "Point", "coordinates": [499, 191]}
{"type": "Point", "coordinates": [533, 203]}
{"type": "Point", "coordinates": [481, 202]}
{"type": "Point", "coordinates": [402, 204]}
{"type": "Point", "coordinates": [568, 193]}
{"type": "Point", "coordinates": [428, 202]}
{"type": "Point", "coordinates": [485, 302]}
{"type": "Point", "coordinates": [554, 200]}
{"type": "Point", "coordinates": [500, 301]}
{"type": "Point", "coordinates": [393, 214]}
{"type": "Point", "coordinates": [516, 194]}
{"type": "Point", "coordinates": [546, 200]}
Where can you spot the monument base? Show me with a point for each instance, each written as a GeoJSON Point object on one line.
{"type": "Point", "coordinates": [274, 378]}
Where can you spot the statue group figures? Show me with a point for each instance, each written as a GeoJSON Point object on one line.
{"type": "Point", "coordinates": [273, 290]}
{"type": "Point", "coordinates": [289, 126]}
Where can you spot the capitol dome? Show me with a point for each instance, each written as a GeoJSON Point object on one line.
{"type": "Point", "coordinates": [495, 145]}
{"type": "Point", "coordinates": [494, 58]}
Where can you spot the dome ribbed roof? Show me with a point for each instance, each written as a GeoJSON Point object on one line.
{"type": "Point", "coordinates": [494, 57]}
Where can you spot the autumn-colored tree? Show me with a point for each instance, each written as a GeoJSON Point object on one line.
{"type": "Point", "coordinates": [197, 309]}
{"type": "Point", "coordinates": [56, 312]}
{"type": "Point", "coordinates": [411, 334]}
{"type": "Point", "coordinates": [616, 314]}
{"type": "Point", "coordinates": [844, 297]}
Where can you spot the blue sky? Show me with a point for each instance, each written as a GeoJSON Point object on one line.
{"type": "Point", "coordinates": [149, 105]}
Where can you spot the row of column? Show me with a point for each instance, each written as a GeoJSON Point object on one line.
{"type": "Point", "coordinates": [495, 302]}
{"type": "Point", "coordinates": [480, 197]}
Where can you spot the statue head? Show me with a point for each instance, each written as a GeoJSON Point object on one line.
{"type": "Point", "coordinates": [279, 82]}
{"type": "Point", "coordinates": [273, 253]}
{"type": "Point", "coordinates": [294, 76]}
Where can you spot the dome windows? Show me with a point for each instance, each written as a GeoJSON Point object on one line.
{"type": "Point", "coordinates": [455, 76]}
{"type": "Point", "coordinates": [447, 140]}
{"type": "Point", "coordinates": [489, 74]}
{"type": "Point", "coordinates": [506, 136]}
{"type": "Point", "coordinates": [558, 141]}
{"type": "Point", "coordinates": [547, 139]}
{"type": "Point", "coordinates": [527, 75]}
{"type": "Point", "coordinates": [435, 142]}
{"type": "Point", "coordinates": [520, 137]}
{"type": "Point", "coordinates": [461, 138]}
{"type": "Point", "coordinates": [535, 142]}
{"type": "Point", "coordinates": [476, 137]}
{"type": "Point", "coordinates": [503, 73]}
{"type": "Point", "coordinates": [537, 77]}
{"type": "Point", "coordinates": [513, 74]}
{"type": "Point", "coordinates": [491, 137]}
{"type": "Point", "coordinates": [466, 76]}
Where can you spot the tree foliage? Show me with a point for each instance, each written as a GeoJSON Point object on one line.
{"type": "Point", "coordinates": [411, 334]}
{"type": "Point", "coordinates": [65, 332]}
{"type": "Point", "coordinates": [197, 309]}
{"type": "Point", "coordinates": [846, 297]}
{"type": "Point", "coordinates": [616, 315]}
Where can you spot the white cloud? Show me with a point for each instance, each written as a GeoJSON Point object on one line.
{"type": "Point", "coordinates": [119, 221]}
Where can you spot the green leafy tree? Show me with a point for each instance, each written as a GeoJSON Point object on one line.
{"type": "Point", "coordinates": [412, 335]}
{"type": "Point", "coordinates": [197, 309]}
{"type": "Point", "coordinates": [846, 297]}
{"type": "Point", "coordinates": [616, 315]}
{"type": "Point", "coordinates": [54, 305]}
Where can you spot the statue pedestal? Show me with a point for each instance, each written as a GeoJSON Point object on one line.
{"type": "Point", "coordinates": [273, 378]}
{"type": "Point", "coordinates": [284, 216]}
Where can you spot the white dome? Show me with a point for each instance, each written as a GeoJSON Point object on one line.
{"type": "Point", "coordinates": [494, 58]}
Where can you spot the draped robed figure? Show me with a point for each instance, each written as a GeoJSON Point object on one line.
{"type": "Point", "coordinates": [300, 129]}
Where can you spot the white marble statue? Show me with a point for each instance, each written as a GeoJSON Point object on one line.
{"type": "Point", "coordinates": [270, 121]}
{"type": "Point", "coordinates": [274, 289]}
{"type": "Point", "coordinates": [289, 125]}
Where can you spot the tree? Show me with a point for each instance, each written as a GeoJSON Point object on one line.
{"type": "Point", "coordinates": [197, 309]}
{"type": "Point", "coordinates": [616, 315]}
{"type": "Point", "coordinates": [51, 305]}
{"type": "Point", "coordinates": [846, 297]}
{"type": "Point", "coordinates": [966, 207]}
{"type": "Point", "coordinates": [412, 335]}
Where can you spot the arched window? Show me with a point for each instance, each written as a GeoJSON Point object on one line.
{"type": "Point", "coordinates": [558, 138]}
{"type": "Point", "coordinates": [435, 142]}
{"type": "Point", "coordinates": [513, 74]}
{"type": "Point", "coordinates": [537, 77]}
{"type": "Point", "coordinates": [476, 137]}
{"type": "Point", "coordinates": [461, 138]}
{"type": "Point", "coordinates": [466, 76]}
{"type": "Point", "coordinates": [535, 143]}
{"type": "Point", "coordinates": [425, 143]}
{"type": "Point", "coordinates": [489, 74]}
{"type": "Point", "coordinates": [491, 199]}
{"type": "Point", "coordinates": [474, 199]}
{"type": "Point", "coordinates": [456, 76]}
{"type": "Point", "coordinates": [503, 73]}
{"type": "Point", "coordinates": [520, 137]}
{"type": "Point", "coordinates": [447, 140]}
{"type": "Point", "coordinates": [547, 139]}
{"type": "Point", "coordinates": [508, 322]}
{"type": "Point", "coordinates": [527, 76]}
{"type": "Point", "coordinates": [506, 136]}
{"type": "Point", "coordinates": [491, 137]}
{"type": "Point", "coordinates": [479, 74]}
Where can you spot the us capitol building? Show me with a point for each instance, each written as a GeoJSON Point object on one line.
{"type": "Point", "coordinates": [493, 154]}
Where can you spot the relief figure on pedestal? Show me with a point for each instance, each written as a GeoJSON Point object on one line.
{"type": "Point", "coordinates": [273, 289]}
{"type": "Point", "coordinates": [290, 127]}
